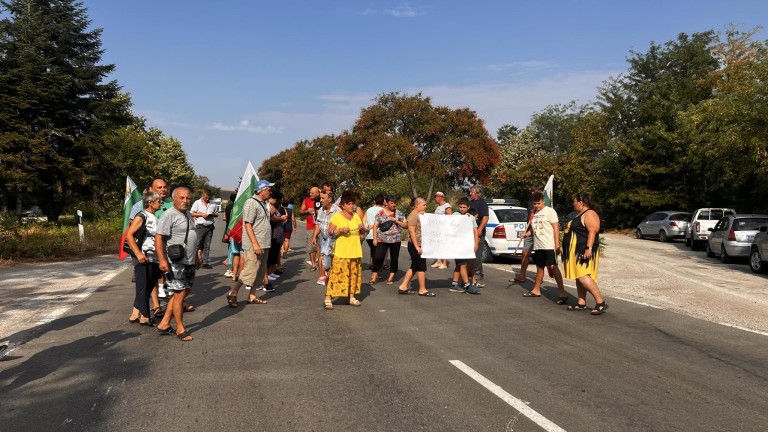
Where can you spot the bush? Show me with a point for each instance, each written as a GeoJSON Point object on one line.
{"type": "Point", "coordinates": [41, 240]}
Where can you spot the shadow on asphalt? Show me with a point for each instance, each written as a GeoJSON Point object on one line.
{"type": "Point", "coordinates": [62, 323]}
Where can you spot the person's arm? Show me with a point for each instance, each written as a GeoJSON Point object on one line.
{"type": "Point", "coordinates": [556, 234]}
{"type": "Point", "coordinates": [477, 239]}
{"type": "Point", "coordinates": [249, 232]}
{"type": "Point", "coordinates": [160, 251]}
{"type": "Point", "coordinates": [592, 222]}
{"type": "Point", "coordinates": [130, 237]}
{"type": "Point", "coordinates": [303, 209]}
{"type": "Point", "coordinates": [412, 233]}
{"type": "Point", "coordinates": [483, 222]}
{"type": "Point", "coordinates": [375, 231]}
{"type": "Point", "coordinates": [314, 235]}
{"type": "Point", "coordinates": [195, 211]}
{"type": "Point", "coordinates": [293, 219]}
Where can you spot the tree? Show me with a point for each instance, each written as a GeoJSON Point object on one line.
{"type": "Point", "coordinates": [54, 103]}
{"type": "Point", "coordinates": [402, 134]}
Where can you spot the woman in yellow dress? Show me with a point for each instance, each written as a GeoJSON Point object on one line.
{"type": "Point", "coordinates": [346, 272]}
{"type": "Point", "coordinates": [581, 244]}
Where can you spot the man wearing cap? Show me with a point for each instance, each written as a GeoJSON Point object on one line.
{"type": "Point", "coordinates": [257, 236]}
{"type": "Point", "coordinates": [443, 208]}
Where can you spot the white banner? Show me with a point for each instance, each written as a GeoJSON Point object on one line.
{"type": "Point", "coordinates": [446, 236]}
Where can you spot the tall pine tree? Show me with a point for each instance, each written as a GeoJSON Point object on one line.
{"type": "Point", "coordinates": [54, 102]}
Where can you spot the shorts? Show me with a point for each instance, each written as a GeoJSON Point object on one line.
{"type": "Point", "coordinates": [181, 277]}
{"type": "Point", "coordinates": [235, 248]}
{"type": "Point", "coordinates": [310, 247]}
{"type": "Point", "coordinates": [461, 262]}
{"type": "Point", "coordinates": [287, 235]}
{"type": "Point", "coordinates": [545, 257]}
{"type": "Point", "coordinates": [254, 267]}
{"type": "Point", "coordinates": [418, 264]}
{"type": "Point", "coordinates": [528, 244]}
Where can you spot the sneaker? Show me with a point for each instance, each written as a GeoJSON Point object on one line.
{"type": "Point", "coordinates": [228, 273]}
{"type": "Point", "coordinates": [278, 272]}
{"type": "Point", "coordinates": [248, 287]}
{"type": "Point", "coordinates": [161, 292]}
{"type": "Point", "coordinates": [456, 288]}
{"type": "Point", "coordinates": [435, 265]}
{"type": "Point", "coordinates": [472, 289]}
{"type": "Point", "coordinates": [442, 267]}
{"type": "Point", "coordinates": [309, 262]}
{"type": "Point", "coordinates": [273, 277]}
{"type": "Point", "coordinates": [322, 280]}
{"type": "Point", "coordinates": [268, 288]}
{"type": "Point", "coordinates": [480, 285]}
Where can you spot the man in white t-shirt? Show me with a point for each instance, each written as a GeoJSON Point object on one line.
{"type": "Point", "coordinates": [546, 244]}
{"type": "Point", "coordinates": [204, 213]}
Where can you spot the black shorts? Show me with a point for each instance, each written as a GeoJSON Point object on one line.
{"type": "Point", "coordinates": [544, 257]}
{"type": "Point", "coordinates": [418, 264]}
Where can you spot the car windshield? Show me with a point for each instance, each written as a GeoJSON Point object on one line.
{"type": "Point", "coordinates": [511, 215]}
{"type": "Point", "coordinates": [751, 224]}
{"type": "Point", "coordinates": [713, 214]}
{"type": "Point", "coordinates": [684, 217]}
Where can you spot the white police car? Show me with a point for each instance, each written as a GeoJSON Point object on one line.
{"type": "Point", "coordinates": [506, 224]}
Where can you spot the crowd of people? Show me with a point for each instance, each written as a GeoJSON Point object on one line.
{"type": "Point", "coordinates": [170, 239]}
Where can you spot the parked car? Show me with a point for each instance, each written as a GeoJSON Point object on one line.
{"type": "Point", "coordinates": [697, 233]}
{"type": "Point", "coordinates": [664, 225]}
{"type": "Point", "coordinates": [506, 224]}
{"type": "Point", "coordinates": [732, 236]}
{"type": "Point", "coordinates": [758, 255]}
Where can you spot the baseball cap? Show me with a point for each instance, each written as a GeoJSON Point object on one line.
{"type": "Point", "coordinates": [263, 184]}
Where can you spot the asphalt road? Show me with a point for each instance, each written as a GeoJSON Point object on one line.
{"type": "Point", "coordinates": [393, 364]}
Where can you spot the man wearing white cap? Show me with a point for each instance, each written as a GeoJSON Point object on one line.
{"type": "Point", "coordinates": [443, 208]}
{"type": "Point", "coordinates": [257, 236]}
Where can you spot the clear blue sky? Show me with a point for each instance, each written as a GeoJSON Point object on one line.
{"type": "Point", "coordinates": [239, 80]}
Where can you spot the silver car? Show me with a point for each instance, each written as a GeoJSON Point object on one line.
{"type": "Point", "coordinates": [732, 236]}
{"type": "Point", "coordinates": [664, 225]}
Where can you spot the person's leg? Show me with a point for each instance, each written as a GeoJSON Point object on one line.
{"type": "Point", "coordinates": [523, 266]}
{"type": "Point", "coordinates": [463, 273]}
{"type": "Point", "coordinates": [581, 291]}
{"type": "Point", "coordinates": [140, 278]}
{"type": "Point", "coordinates": [539, 279]}
{"type": "Point", "coordinates": [207, 245]}
{"type": "Point", "coordinates": [311, 250]}
{"type": "Point", "coordinates": [559, 280]}
{"type": "Point", "coordinates": [236, 266]}
{"type": "Point", "coordinates": [200, 232]}
{"type": "Point", "coordinates": [378, 260]}
{"type": "Point", "coordinates": [394, 258]}
{"type": "Point", "coordinates": [421, 276]}
{"type": "Point", "coordinates": [590, 285]}
{"type": "Point", "coordinates": [143, 273]}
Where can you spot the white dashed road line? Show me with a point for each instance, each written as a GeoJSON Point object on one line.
{"type": "Point", "coordinates": [514, 402]}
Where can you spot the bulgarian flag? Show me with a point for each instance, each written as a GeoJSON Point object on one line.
{"type": "Point", "coordinates": [245, 191]}
{"type": "Point", "coordinates": [132, 196]}
{"type": "Point", "coordinates": [548, 197]}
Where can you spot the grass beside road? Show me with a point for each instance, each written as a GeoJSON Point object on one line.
{"type": "Point", "coordinates": [41, 240]}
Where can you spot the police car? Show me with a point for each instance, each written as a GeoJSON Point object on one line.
{"type": "Point", "coordinates": [506, 224]}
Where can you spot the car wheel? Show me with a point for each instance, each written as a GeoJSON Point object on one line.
{"type": "Point", "coordinates": [756, 264]}
{"type": "Point", "coordinates": [724, 258]}
{"type": "Point", "coordinates": [639, 234]}
{"type": "Point", "coordinates": [694, 245]}
{"type": "Point", "coordinates": [663, 236]}
{"type": "Point", "coordinates": [486, 255]}
{"type": "Point", "coordinates": [708, 250]}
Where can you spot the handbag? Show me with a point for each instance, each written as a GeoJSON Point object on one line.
{"type": "Point", "coordinates": [177, 253]}
{"type": "Point", "coordinates": [140, 234]}
{"type": "Point", "coordinates": [225, 239]}
{"type": "Point", "coordinates": [386, 226]}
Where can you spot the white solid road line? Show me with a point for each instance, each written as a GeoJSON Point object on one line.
{"type": "Point", "coordinates": [514, 402]}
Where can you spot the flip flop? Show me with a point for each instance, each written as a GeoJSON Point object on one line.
{"type": "Point", "coordinates": [405, 292]}
{"type": "Point", "coordinates": [184, 336]}
{"type": "Point", "coordinates": [427, 294]}
{"type": "Point", "coordinates": [513, 280]}
{"type": "Point", "coordinates": [166, 331]}
{"type": "Point", "coordinates": [232, 300]}
{"type": "Point", "coordinates": [530, 294]}
{"type": "Point", "coordinates": [188, 307]}
{"type": "Point", "coordinates": [562, 300]}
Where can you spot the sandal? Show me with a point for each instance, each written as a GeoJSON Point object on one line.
{"type": "Point", "coordinates": [427, 294]}
{"type": "Point", "coordinates": [166, 331]}
{"type": "Point", "coordinates": [513, 280]}
{"type": "Point", "coordinates": [133, 320]}
{"type": "Point", "coordinates": [405, 291]}
{"type": "Point", "coordinates": [232, 300]}
{"type": "Point", "coordinates": [562, 300]}
{"type": "Point", "coordinates": [578, 307]}
{"type": "Point", "coordinates": [256, 300]}
{"type": "Point", "coordinates": [184, 336]}
{"type": "Point", "coordinates": [354, 302]}
{"type": "Point", "coordinates": [188, 307]}
{"type": "Point", "coordinates": [328, 304]}
{"type": "Point", "coordinates": [599, 309]}
{"type": "Point", "coordinates": [530, 294]}
{"type": "Point", "coordinates": [390, 282]}
{"type": "Point", "coordinates": [157, 312]}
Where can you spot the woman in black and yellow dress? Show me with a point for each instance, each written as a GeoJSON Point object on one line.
{"type": "Point", "coordinates": [581, 256]}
